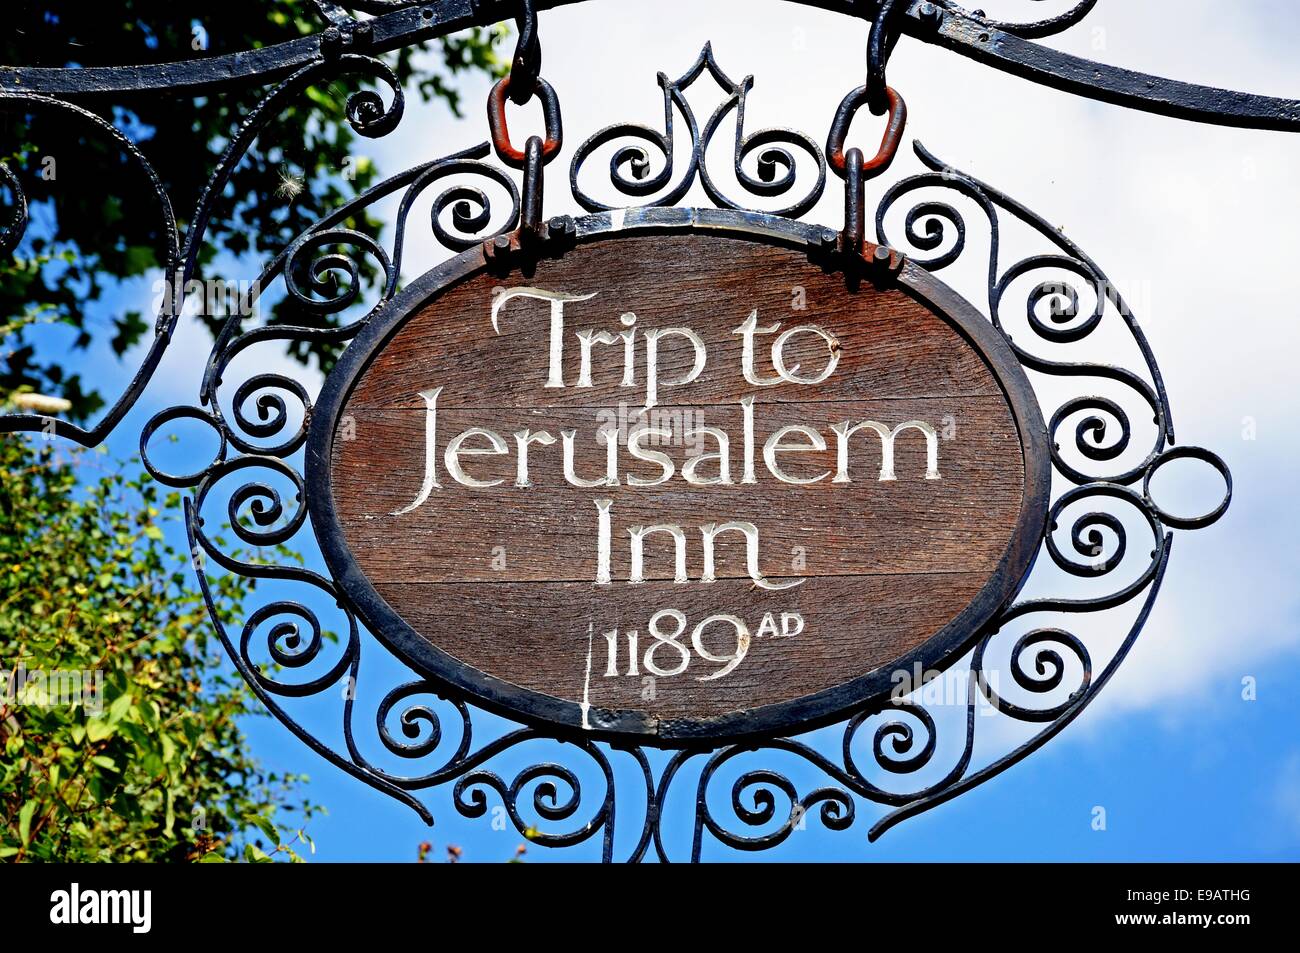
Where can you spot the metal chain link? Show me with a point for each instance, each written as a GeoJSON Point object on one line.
{"type": "Point", "coordinates": [521, 85]}
{"type": "Point", "coordinates": [526, 66]}
{"type": "Point", "coordinates": [881, 99]}
{"type": "Point", "coordinates": [880, 44]}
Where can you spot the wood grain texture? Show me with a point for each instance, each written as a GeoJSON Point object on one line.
{"type": "Point", "coordinates": [540, 634]}
{"type": "Point", "coordinates": [503, 579]}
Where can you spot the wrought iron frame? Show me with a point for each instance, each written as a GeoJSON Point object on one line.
{"type": "Point", "coordinates": [934, 230]}
{"type": "Point", "coordinates": [621, 726]}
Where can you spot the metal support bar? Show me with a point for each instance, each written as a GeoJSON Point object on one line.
{"type": "Point", "coordinates": [968, 34]}
{"type": "Point", "coordinates": [855, 205]}
{"type": "Point", "coordinates": [1109, 84]}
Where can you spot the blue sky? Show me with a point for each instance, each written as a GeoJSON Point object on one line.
{"type": "Point", "coordinates": [1183, 766]}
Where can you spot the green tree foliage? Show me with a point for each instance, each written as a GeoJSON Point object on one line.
{"type": "Point", "coordinates": [94, 220]}
{"type": "Point", "coordinates": [154, 765]}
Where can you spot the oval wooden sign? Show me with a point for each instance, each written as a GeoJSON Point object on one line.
{"type": "Point", "coordinates": [678, 484]}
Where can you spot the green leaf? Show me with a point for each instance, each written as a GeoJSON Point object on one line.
{"type": "Point", "coordinates": [117, 711]}
{"type": "Point", "coordinates": [266, 827]}
{"type": "Point", "coordinates": [213, 858]}
{"type": "Point", "coordinates": [321, 99]}
{"type": "Point", "coordinates": [97, 729]}
{"type": "Point", "coordinates": [128, 330]}
{"type": "Point", "coordinates": [139, 259]}
{"type": "Point", "coordinates": [254, 855]}
{"type": "Point", "coordinates": [25, 821]}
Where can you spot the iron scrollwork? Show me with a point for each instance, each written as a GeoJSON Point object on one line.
{"type": "Point", "coordinates": [408, 736]}
{"type": "Point", "coordinates": [630, 165]}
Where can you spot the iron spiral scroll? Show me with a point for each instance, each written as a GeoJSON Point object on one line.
{"type": "Point", "coordinates": [406, 736]}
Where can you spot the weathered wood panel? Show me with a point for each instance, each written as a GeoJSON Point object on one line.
{"type": "Point", "coordinates": [541, 635]}
{"type": "Point", "coordinates": [548, 530]}
{"type": "Point", "coordinates": [843, 575]}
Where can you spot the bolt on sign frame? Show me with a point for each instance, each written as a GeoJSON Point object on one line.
{"type": "Point", "coordinates": [434, 722]}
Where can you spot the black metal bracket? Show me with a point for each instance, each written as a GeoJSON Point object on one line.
{"type": "Point", "coordinates": [999, 44]}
